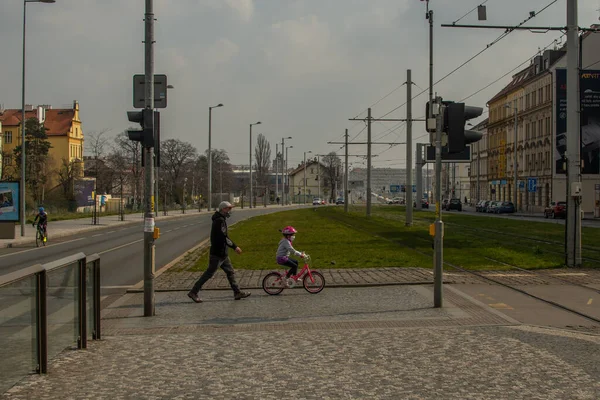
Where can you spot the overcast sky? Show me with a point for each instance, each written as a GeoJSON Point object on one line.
{"type": "Point", "coordinates": [302, 67]}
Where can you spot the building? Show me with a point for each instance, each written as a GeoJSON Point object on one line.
{"type": "Point", "coordinates": [63, 127]}
{"type": "Point", "coordinates": [314, 186]}
{"type": "Point", "coordinates": [479, 166]}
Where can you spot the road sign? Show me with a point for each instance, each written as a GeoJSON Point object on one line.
{"type": "Point", "coordinates": [532, 185]}
{"type": "Point", "coordinates": [394, 188]}
{"type": "Point", "coordinates": [463, 156]}
{"type": "Point", "coordinates": [160, 91]}
{"type": "Point", "coordinates": [503, 182]}
{"type": "Point", "coordinates": [414, 188]}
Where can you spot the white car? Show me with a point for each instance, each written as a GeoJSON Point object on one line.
{"type": "Point", "coordinates": [316, 201]}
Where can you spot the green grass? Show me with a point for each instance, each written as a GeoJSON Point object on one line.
{"type": "Point", "coordinates": [354, 241]}
{"type": "Point", "coordinates": [324, 239]}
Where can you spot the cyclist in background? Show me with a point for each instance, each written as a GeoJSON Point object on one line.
{"type": "Point", "coordinates": [286, 249]}
{"type": "Point", "coordinates": [43, 217]}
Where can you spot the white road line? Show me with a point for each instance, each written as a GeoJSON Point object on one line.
{"type": "Point", "coordinates": [111, 232]}
{"type": "Point", "coordinates": [116, 287]}
{"type": "Point", "coordinates": [98, 234]}
{"type": "Point", "coordinates": [120, 247]}
{"type": "Point", "coordinates": [39, 248]}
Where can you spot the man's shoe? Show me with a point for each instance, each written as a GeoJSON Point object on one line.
{"type": "Point", "coordinates": [194, 297]}
{"type": "Point", "coordinates": [241, 295]}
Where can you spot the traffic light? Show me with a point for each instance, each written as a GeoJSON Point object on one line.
{"type": "Point", "coordinates": [145, 119]}
{"type": "Point", "coordinates": [455, 117]}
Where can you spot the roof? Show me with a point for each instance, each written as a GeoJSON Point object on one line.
{"type": "Point", "coordinates": [301, 167]}
{"type": "Point", "coordinates": [58, 121]}
{"type": "Point", "coordinates": [517, 81]}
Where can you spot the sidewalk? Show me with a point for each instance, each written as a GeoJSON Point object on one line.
{"type": "Point", "coordinates": [351, 343]}
{"type": "Point", "coordinates": [58, 229]}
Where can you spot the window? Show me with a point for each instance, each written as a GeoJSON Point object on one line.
{"type": "Point", "coordinates": [533, 129]}
{"type": "Point", "coordinates": [7, 160]}
{"type": "Point", "coordinates": [8, 137]}
{"type": "Point", "coordinates": [540, 122]}
{"type": "Point", "coordinates": [526, 131]}
{"type": "Point", "coordinates": [527, 101]}
{"type": "Point", "coordinates": [540, 95]}
{"type": "Point", "coordinates": [533, 99]}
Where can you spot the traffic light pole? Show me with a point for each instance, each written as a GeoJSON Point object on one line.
{"type": "Point", "coordinates": [149, 168]}
{"type": "Point", "coordinates": [346, 173]}
{"type": "Point", "coordinates": [439, 225]}
{"type": "Point", "coordinates": [409, 175]}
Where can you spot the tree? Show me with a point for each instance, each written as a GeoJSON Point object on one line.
{"type": "Point", "coordinates": [97, 142]}
{"type": "Point", "coordinates": [222, 171]}
{"type": "Point", "coordinates": [67, 172]}
{"type": "Point", "coordinates": [132, 158]}
{"type": "Point", "coordinates": [332, 171]}
{"type": "Point", "coordinates": [36, 160]}
{"type": "Point", "coordinates": [262, 156]}
{"type": "Point", "coordinates": [177, 159]}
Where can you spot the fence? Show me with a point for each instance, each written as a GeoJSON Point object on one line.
{"type": "Point", "coordinates": [45, 309]}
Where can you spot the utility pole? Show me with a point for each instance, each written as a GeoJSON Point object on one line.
{"type": "Point", "coordinates": [439, 225]}
{"type": "Point", "coordinates": [573, 223]}
{"type": "Point", "coordinates": [276, 170]}
{"type": "Point", "coordinates": [346, 173]}
{"type": "Point", "coordinates": [409, 179]}
{"type": "Point", "coordinates": [419, 171]}
{"type": "Point", "coordinates": [369, 163]}
{"type": "Point", "coordinates": [516, 184]}
{"type": "Point", "coordinates": [149, 169]}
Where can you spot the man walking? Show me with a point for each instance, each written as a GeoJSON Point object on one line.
{"type": "Point", "coordinates": [219, 242]}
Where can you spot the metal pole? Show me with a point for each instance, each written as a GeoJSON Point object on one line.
{"type": "Point", "coordinates": [209, 159]}
{"type": "Point", "coordinates": [304, 202]}
{"type": "Point", "coordinates": [282, 177]}
{"type": "Point", "coordinates": [221, 178]}
{"type": "Point", "coordinates": [287, 177]}
{"type": "Point", "coordinates": [23, 152]}
{"type": "Point", "coordinates": [409, 179]}
{"type": "Point", "coordinates": [319, 173]}
{"type": "Point", "coordinates": [250, 201]}
{"type": "Point", "coordinates": [516, 183]}
{"type": "Point", "coordinates": [149, 170]}
{"type": "Point", "coordinates": [346, 173]}
{"type": "Point", "coordinates": [478, 173]}
{"type": "Point", "coordinates": [573, 223]}
{"type": "Point", "coordinates": [439, 225]}
{"type": "Point", "coordinates": [369, 164]}
{"type": "Point", "coordinates": [419, 172]}
{"type": "Point", "coordinates": [277, 173]}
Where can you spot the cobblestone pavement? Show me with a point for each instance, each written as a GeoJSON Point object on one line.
{"type": "Point", "coordinates": [184, 280]}
{"type": "Point", "coordinates": [368, 363]}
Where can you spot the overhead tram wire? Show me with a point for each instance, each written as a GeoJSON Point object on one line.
{"type": "Point", "coordinates": [474, 8]}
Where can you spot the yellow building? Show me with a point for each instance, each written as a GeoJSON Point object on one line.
{"type": "Point", "coordinates": [63, 128]}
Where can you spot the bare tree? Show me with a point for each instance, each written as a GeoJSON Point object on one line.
{"type": "Point", "coordinates": [332, 171]}
{"type": "Point", "coordinates": [97, 143]}
{"type": "Point", "coordinates": [132, 157]}
{"type": "Point", "coordinates": [67, 172]}
{"type": "Point", "coordinates": [262, 156]}
{"type": "Point", "coordinates": [176, 158]}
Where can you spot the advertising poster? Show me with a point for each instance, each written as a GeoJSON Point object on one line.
{"type": "Point", "coordinates": [83, 190]}
{"type": "Point", "coordinates": [9, 201]}
{"type": "Point", "coordinates": [589, 86]}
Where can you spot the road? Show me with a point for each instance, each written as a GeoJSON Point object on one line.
{"type": "Point", "coordinates": [121, 248]}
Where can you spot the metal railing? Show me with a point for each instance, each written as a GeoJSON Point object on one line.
{"type": "Point", "coordinates": [45, 309]}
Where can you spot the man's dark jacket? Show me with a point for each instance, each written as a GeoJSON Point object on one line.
{"type": "Point", "coordinates": [219, 241]}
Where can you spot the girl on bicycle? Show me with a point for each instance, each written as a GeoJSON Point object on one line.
{"type": "Point", "coordinates": [286, 249]}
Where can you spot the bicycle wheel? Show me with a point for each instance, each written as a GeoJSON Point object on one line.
{"type": "Point", "coordinates": [38, 239]}
{"type": "Point", "coordinates": [272, 283]}
{"type": "Point", "coordinates": [316, 286]}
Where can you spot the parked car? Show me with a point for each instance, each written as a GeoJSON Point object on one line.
{"type": "Point", "coordinates": [557, 209]}
{"type": "Point", "coordinates": [323, 202]}
{"type": "Point", "coordinates": [479, 206]}
{"type": "Point", "coordinates": [454, 204]}
{"type": "Point", "coordinates": [340, 200]}
{"type": "Point", "coordinates": [505, 207]}
{"type": "Point", "coordinates": [424, 204]}
{"type": "Point", "coordinates": [484, 206]}
{"type": "Point", "coordinates": [316, 201]}
{"type": "Point", "coordinates": [491, 208]}
{"type": "Point", "coordinates": [395, 200]}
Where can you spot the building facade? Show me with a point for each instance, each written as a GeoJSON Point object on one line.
{"type": "Point", "coordinates": [478, 180]}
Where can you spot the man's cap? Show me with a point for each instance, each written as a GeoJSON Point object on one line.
{"type": "Point", "coordinates": [224, 204]}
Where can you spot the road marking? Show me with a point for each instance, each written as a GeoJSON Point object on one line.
{"type": "Point", "coordinates": [116, 287]}
{"type": "Point", "coordinates": [98, 234]}
{"type": "Point", "coordinates": [590, 302]}
{"type": "Point", "coordinates": [501, 306]}
{"type": "Point", "coordinates": [111, 232]}
{"type": "Point", "coordinates": [571, 274]}
{"type": "Point", "coordinates": [39, 248]}
{"type": "Point", "coordinates": [120, 247]}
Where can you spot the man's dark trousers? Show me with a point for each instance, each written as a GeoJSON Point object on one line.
{"type": "Point", "coordinates": [213, 265]}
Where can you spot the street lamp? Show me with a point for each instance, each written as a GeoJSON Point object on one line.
{"type": "Point", "coordinates": [22, 211]}
{"type": "Point", "coordinates": [250, 202]}
{"type": "Point", "coordinates": [305, 175]}
{"type": "Point", "coordinates": [210, 154]}
{"type": "Point", "coordinates": [282, 174]}
{"type": "Point", "coordinates": [516, 179]}
{"type": "Point", "coordinates": [287, 179]}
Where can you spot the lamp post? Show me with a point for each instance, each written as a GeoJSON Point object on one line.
{"type": "Point", "coordinates": [210, 154]}
{"type": "Point", "coordinates": [516, 172]}
{"type": "Point", "coordinates": [282, 174]}
{"type": "Point", "coordinates": [250, 201]}
{"type": "Point", "coordinates": [304, 202]}
{"type": "Point", "coordinates": [287, 177]}
{"type": "Point", "coordinates": [22, 211]}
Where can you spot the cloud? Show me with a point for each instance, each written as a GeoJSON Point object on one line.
{"type": "Point", "coordinates": [221, 52]}
{"type": "Point", "coordinates": [244, 8]}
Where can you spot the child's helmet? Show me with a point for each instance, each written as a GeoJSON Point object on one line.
{"type": "Point", "coordinates": [41, 209]}
{"type": "Point", "coordinates": [289, 230]}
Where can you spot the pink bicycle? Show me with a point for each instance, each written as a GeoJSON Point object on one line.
{"type": "Point", "coordinates": [313, 281]}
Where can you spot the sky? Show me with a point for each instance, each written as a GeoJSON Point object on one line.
{"type": "Point", "coordinates": [301, 67]}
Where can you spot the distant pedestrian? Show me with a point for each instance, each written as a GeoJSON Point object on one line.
{"type": "Point", "coordinates": [219, 242]}
{"type": "Point", "coordinates": [278, 200]}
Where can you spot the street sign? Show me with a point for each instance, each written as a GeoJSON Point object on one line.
{"type": "Point", "coordinates": [394, 188]}
{"type": "Point", "coordinates": [597, 187]}
{"type": "Point", "coordinates": [463, 156]}
{"type": "Point", "coordinates": [160, 91]}
{"type": "Point", "coordinates": [414, 188]}
{"type": "Point", "coordinates": [532, 185]}
{"type": "Point", "coordinates": [521, 185]}
{"type": "Point", "coordinates": [503, 182]}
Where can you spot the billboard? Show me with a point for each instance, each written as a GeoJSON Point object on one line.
{"type": "Point", "coordinates": [9, 201]}
{"type": "Point", "coordinates": [83, 190]}
{"type": "Point", "coordinates": [589, 86]}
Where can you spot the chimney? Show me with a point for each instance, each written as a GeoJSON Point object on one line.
{"type": "Point", "coordinates": [41, 114]}
{"type": "Point", "coordinates": [28, 107]}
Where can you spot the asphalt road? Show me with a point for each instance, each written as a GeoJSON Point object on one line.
{"type": "Point", "coordinates": [121, 248]}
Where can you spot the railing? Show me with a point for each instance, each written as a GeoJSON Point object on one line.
{"type": "Point", "coordinates": [45, 309]}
